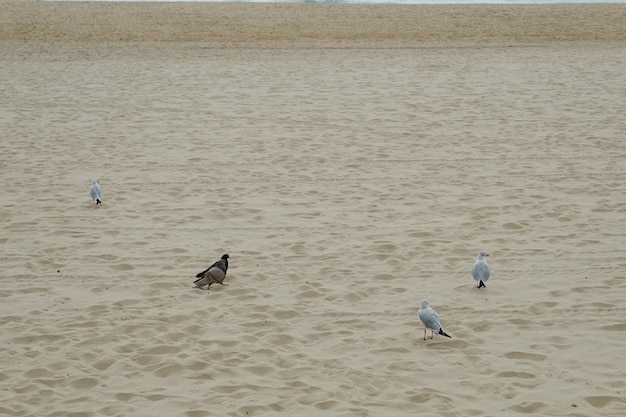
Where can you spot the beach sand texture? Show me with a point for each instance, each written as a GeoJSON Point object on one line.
{"type": "Point", "coordinates": [348, 178]}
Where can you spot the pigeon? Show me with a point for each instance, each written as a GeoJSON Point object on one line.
{"type": "Point", "coordinates": [430, 318]}
{"type": "Point", "coordinates": [96, 192]}
{"type": "Point", "coordinates": [480, 271]}
{"type": "Point", "coordinates": [213, 274]}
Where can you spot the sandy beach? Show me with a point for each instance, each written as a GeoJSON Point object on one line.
{"type": "Point", "coordinates": [352, 160]}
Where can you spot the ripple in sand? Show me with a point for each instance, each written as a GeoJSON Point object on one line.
{"type": "Point", "coordinates": [326, 405]}
{"type": "Point", "coordinates": [313, 398]}
{"type": "Point", "coordinates": [528, 408]}
{"type": "Point", "coordinates": [285, 314]}
{"type": "Point", "coordinates": [512, 226]}
{"type": "Point", "coordinates": [584, 290]}
{"type": "Point", "coordinates": [49, 382]}
{"type": "Point", "coordinates": [81, 414]}
{"type": "Point", "coordinates": [397, 349]}
{"type": "Point", "coordinates": [481, 326]}
{"type": "Point", "coordinates": [127, 348]}
{"type": "Point", "coordinates": [601, 401]}
{"type": "Point", "coordinates": [169, 370]}
{"type": "Point", "coordinates": [197, 365]}
{"type": "Point", "coordinates": [615, 327]}
{"type": "Point", "coordinates": [197, 413]}
{"type": "Point", "coordinates": [250, 410]}
{"type": "Point", "coordinates": [525, 355]}
{"type": "Point", "coordinates": [310, 294]}
{"type": "Point", "coordinates": [424, 398]}
{"type": "Point", "coordinates": [230, 389]}
{"type": "Point", "coordinates": [36, 340]}
{"type": "Point", "coordinates": [447, 345]}
{"type": "Point", "coordinates": [94, 341]}
{"type": "Point", "coordinates": [278, 339]}
{"type": "Point", "coordinates": [31, 290]}
{"type": "Point", "coordinates": [158, 397]}
{"type": "Point", "coordinates": [38, 373]}
{"type": "Point", "coordinates": [352, 297]}
{"type": "Point", "coordinates": [110, 410]}
{"type": "Point", "coordinates": [540, 308]}
{"type": "Point", "coordinates": [30, 389]}
{"type": "Point", "coordinates": [124, 396]}
{"type": "Point", "coordinates": [84, 383]}
{"type": "Point", "coordinates": [123, 267]}
{"type": "Point", "coordinates": [513, 374]}
{"type": "Point", "coordinates": [260, 370]}
{"type": "Point", "coordinates": [522, 322]}
{"type": "Point", "coordinates": [160, 350]}
{"type": "Point", "coordinates": [79, 400]}
{"type": "Point", "coordinates": [145, 360]}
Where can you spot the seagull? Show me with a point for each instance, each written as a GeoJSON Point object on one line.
{"type": "Point", "coordinates": [480, 271]}
{"type": "Point", "coordinates": [96, 192]}
{"type": "Point", "coordinates": [430, 318]}
{"type": "Point", "coordinates": [213, 274]}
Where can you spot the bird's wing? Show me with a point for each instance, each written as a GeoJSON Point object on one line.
{"type": "Point", "coordinates": [216, 275]}
{"type": "Point", "coordinates": [430, 318]}
{"type": "Point", "coordinates": [95, 191]}
{"type": "Point", "coordinates": [481, 271]}
{"type": "Point", "coordinates": [221, 264]}
{"type": "Point", "coordinates": [200, 279]}
{"type": "Point", "coordinates": [201, 274]}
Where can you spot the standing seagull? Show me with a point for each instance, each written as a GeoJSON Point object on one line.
{"type": "Point", "coordinates": [431, 321]}
{"type": "Point", "coordinates": [480, 271]}
{"type": "Point", "coordinates": [96, 192]}
{"type": "Point", "coordinates": [213, 274]}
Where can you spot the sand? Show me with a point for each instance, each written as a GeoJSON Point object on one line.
{"type": "Point", "coordinates": [352, 160]}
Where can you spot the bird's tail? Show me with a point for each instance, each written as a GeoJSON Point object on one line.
{"type": "Point", "coordinates": [98, 201]}
{"type": "Point", "coordinates": [481, 284]}
{"type": "Point", "coordinates": [441, 332]}
{"type": "Point", "coordinates": [201, 274]}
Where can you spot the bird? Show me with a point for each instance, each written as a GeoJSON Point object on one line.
{"type": "Point", "coordinates": [430, 319]}
{"type": "Point", "coordinates": [480, 271]}
{"type": "Point", "coordinates": [213, 274]}
{"type": "Point", "coordinates": [96, 192]}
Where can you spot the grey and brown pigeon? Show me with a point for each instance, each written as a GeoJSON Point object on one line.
{"type": "Point", "coordinates": [214, 274]}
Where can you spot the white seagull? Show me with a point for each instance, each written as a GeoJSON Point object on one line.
{"type": "Point", "coordinates": [430, 319]}
{"type": "Point", "coordinates": [480, 271]}
{"type": "Point", "coordinates": [96, 192]}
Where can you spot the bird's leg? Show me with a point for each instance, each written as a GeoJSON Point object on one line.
{"type": "Point", "coordinates": [432, 334]}
{"type": "Point", "coordinates": [424, 333]}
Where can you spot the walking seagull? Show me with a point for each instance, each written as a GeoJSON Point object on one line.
{"type": "Point", "coordinates": [96, 192]}
{"type": "Point", "coordinates": [480, 271]}
{"type": "Point", "coordinates": [430, 319]}
{"type": "Point", "coordinates": [213, 274]}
